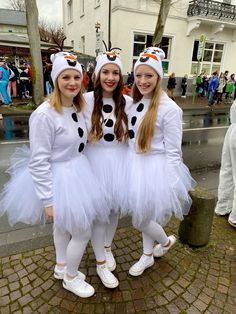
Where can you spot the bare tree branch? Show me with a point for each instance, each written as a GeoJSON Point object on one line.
{"type": "Point", "coordinates": [17, 5]}
{"type": "Point", "coordinates": [52, 33]}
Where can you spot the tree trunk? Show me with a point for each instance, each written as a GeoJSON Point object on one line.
{"type": "Point", "coordinates": [35, 51]}
{"type": "Point", "coordinates": [161, 20]}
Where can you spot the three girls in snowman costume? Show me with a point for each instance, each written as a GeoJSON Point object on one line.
{"type": "Point", "coordinates": [132, 164]}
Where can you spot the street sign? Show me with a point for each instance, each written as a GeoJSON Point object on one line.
{"type": "Point", "coordinates": [201, 46]}
{"type": "Point", "coordinates": [99, 37]}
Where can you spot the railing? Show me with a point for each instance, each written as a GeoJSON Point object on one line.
{"type": "Point", "coordinates": [212, 9]}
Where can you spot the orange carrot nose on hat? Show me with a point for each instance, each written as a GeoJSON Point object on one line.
{"type": "Point", "coordinates": [107, 57]}
{"type": "Point", "coordinates": [151, 56]}
{"type": "Point", "coordinates": [62, 61]}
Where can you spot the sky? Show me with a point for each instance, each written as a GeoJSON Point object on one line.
{"type": "Point", "coordinates": [50, 10]}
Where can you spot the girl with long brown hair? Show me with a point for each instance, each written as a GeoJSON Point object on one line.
{"type": "Point", "coordinates": [108, 132]}
{"type": "Point", "coordinates": [158, 181]}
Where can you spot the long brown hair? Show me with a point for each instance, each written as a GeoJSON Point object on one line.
{"type": "Point", "coordinates": [120, 131]}
{"type": "Point", "coordinates": [55, 99]}
{"type": "Point", "coordinates": [147, 127]}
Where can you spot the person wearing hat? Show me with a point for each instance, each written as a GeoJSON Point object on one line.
{"type": "Point", "coordinates": [54, 178]}
{"type": "Point", "coordinates": [158, 181]}
{"type": "Point", "coordinates": [107, 124]}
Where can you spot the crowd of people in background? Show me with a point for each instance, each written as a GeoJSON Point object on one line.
{"type": "Point", "coordinates": [216, 87]}
{"type": "Point", "coordinates": [16, 81]}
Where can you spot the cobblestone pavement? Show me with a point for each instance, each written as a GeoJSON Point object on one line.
{"type": "Point", "coordinates": [185, 280]}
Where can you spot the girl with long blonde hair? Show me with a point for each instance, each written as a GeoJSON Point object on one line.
{"type": "Point", "coordinates": [54, 179]}
{"type": "Point", "coordinates": [158, 181]}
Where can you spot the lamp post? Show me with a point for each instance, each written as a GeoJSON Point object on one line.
{"type": "Point", "coordinates": [97, 27]}
{"type": "Point", "coordinates": [109, 23]}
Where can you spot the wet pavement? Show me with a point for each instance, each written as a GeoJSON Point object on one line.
{"type": "Point", "coordinates": [186, 280]}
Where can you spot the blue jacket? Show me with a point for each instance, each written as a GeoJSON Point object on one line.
{"type": "Point", "coordinates": [4, 74]}
{"type": "Point", "coordinates": [213, 84]}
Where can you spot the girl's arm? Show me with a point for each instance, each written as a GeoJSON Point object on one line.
{"type": "Point", "coordinates": [42, 135]}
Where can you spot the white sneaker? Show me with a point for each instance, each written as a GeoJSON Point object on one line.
{"type": "Point", "coordinates": [111, 263]}
{"type": "Point", "coordinates": [144, 262]}
{"type": "Point", "coordinates": [106, 276]}
{"type": "Point", "coordinates": [59, 273]}
{"type": "Point", "coordinates": [160, 250]}
{"type": "Point", "coordinates": [233, 224]}
{"type": "Point", "coordinates": [219, 212]}
{"type": "Point", "coordinates": [78, 287]}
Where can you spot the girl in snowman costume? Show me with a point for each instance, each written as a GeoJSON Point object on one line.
{"type": "Point", "coordinates": [107, 123]}
{"type": "Point", "coordinates": [157, 180]}
{"type": "Point", "coordinates": [54, 179]}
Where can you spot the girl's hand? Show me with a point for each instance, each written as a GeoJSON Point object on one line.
{"type": "Point", "coordinates": [49, 212]}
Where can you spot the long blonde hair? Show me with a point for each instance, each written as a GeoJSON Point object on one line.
{"type": "Point", "coordinates": [55, 99]}
{"type": "Point", "coordinates": [147, 127]}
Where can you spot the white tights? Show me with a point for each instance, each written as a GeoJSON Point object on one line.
{"type": "Point", "coordinates": [152, 231]}
{"type": "Point", "coordinates": [103, 234]}
{"type": "Point", "coordinates": [70, 248]}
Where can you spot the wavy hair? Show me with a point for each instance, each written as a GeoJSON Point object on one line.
{"type": "Point", "coordinates": [121, 124]}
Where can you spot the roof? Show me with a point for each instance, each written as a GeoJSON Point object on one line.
{"type": "Point", "coordinates": [12, 17]}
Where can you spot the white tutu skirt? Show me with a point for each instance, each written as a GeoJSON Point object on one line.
{"type": "Point", "coordinates": [108, 165]}
{"type": "Point", "coordinates": [78, 199]}
{"type": "Point", "coordinates": [155, 189]}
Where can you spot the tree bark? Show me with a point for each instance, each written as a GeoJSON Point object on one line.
{"type": "Point", "coordinates": [35, 51]}
{"type": "Point", "coordinates": [161, 20]}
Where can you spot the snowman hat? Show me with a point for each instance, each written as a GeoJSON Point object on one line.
{"type": "Point", "coordinates": [153, 57]}
{"type": "Point", "coordinates": [62, 61]}
{"type": "Point", "coordinates": [107, 57]}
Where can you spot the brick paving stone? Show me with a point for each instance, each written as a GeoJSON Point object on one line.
{"type": "Point", "coordinates": [26, 289]}
{"type": "Point", "coordinates": [189, 297]}
{"type": "Point", "coordinates": [15, 295]}
{"type": "Point", "coordinates": [214, 309]}
{"type": "Point", "coordinates": [169, 295]}
{"type": "Point", "coordinates": [126, 296]}
{"type": "Point", "coordinates": [172, 308]}
{"type": "Point", "coordinates": [36, 291]}
{"type": "Point", "coordinates": [4, 291]}
{"type": "Point", "coordinates": [181, 303]}
{"type": "Point", "coordinates": [4, 300]}
{"type": "Point", "coordinates": [201, 306]}
{"type": "Point", "coordinates": [184, 281]}
{"type": "Point", "coordinates": [26, 299]}
{"type": "Point", "coordinates": [27, 310]}
{"type": "Point", "coordinates": [5, 310]}
{"type": "Point", "coordinates": [14, 306]}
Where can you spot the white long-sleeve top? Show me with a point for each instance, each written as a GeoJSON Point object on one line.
{"type": "Point", "coordinates": [108, 112]}
{"type": "Point", "coordinates": [167, 137]}
{"type": "Point", "coordinates": [54, 137]}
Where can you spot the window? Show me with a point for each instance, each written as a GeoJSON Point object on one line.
{"type": "Point", "coordinates": [70, 11]}
{"type": "Point", "coordinates": [83, 44]}
{"type": "Point", "coordinates": [211, 59]}
{"type": "Point", "coordinates": [144, 40]}
{"type": "Point", "coordinates": [81, 7]}
{"type": "Point", "coordinates": [97, 3]}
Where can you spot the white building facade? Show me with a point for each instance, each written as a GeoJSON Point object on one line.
{"type": "Point", "coordinates": [132, 24]}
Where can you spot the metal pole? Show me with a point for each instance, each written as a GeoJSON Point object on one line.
{"type": "Point", "coordinates": [109, 23]}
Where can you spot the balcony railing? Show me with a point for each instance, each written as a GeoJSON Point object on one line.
{"type": "Point", "coordinates": [212, 9]}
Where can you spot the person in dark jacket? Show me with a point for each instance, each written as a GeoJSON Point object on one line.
{"type": "Point", "coordinates": [184, 84]}
{"type": "Point", "coordinates": [171, 86]}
